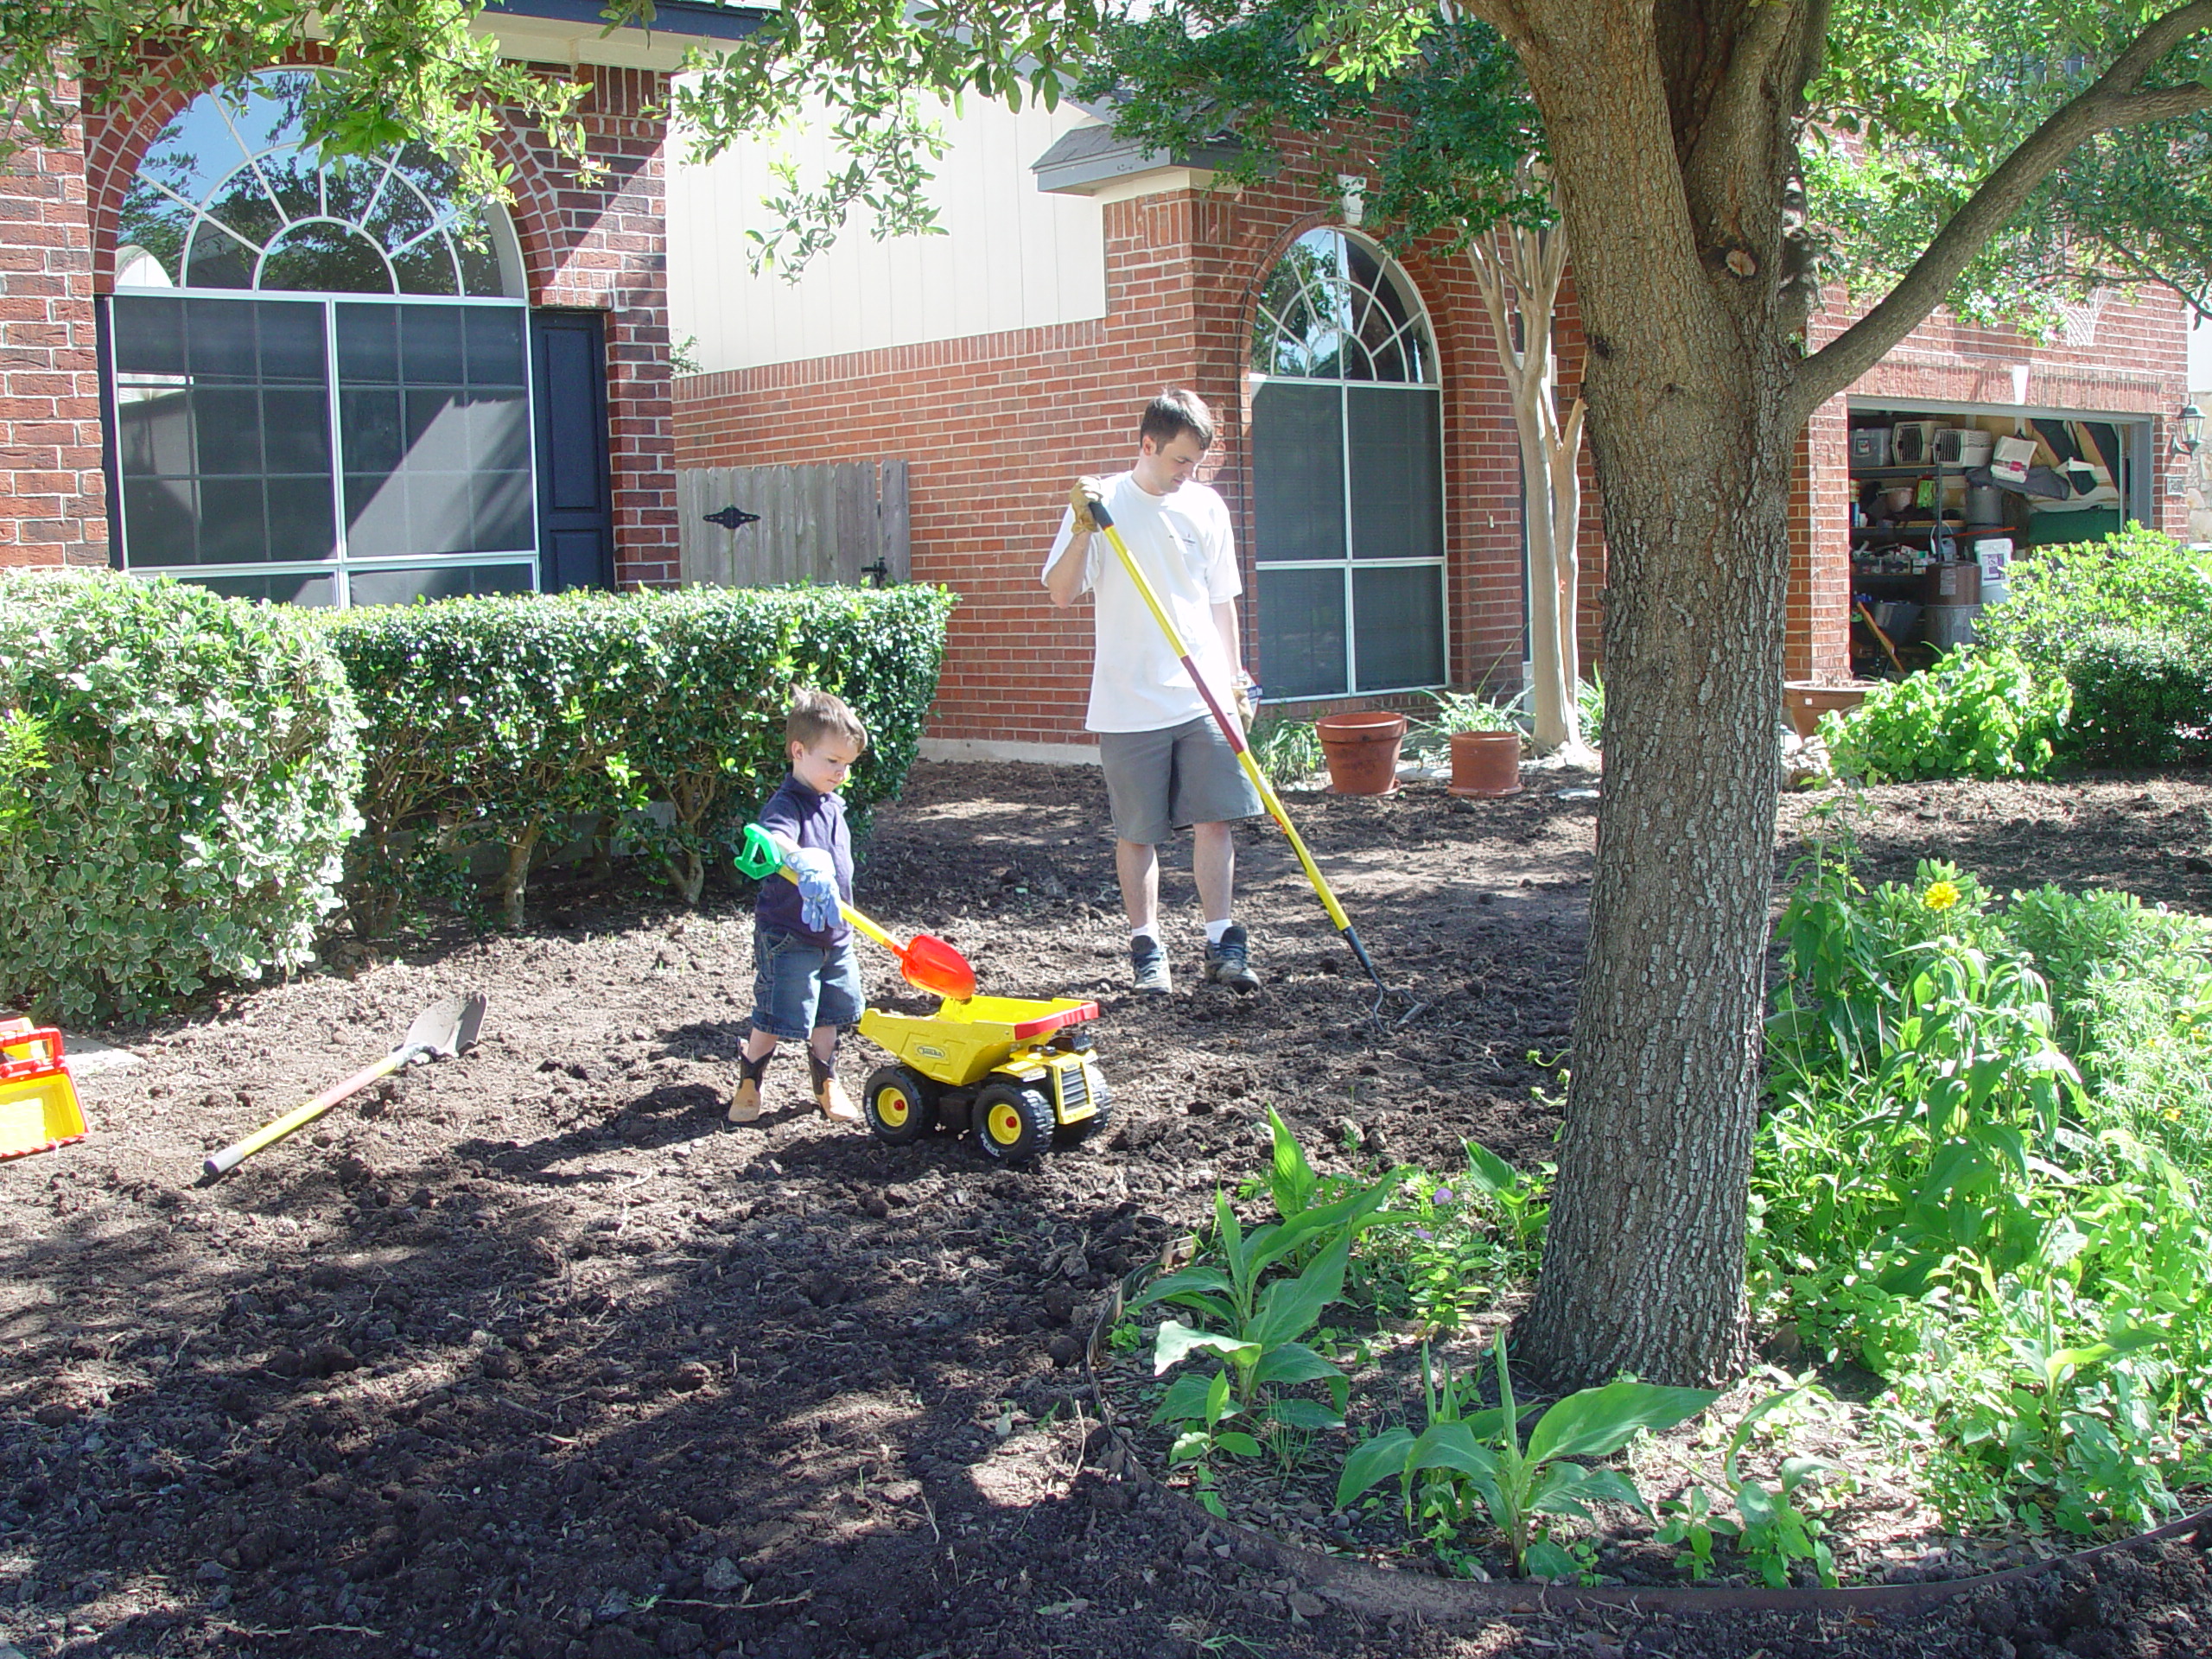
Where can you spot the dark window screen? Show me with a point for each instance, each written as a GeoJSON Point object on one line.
{"type": "Point", "coordinates": [1401, 626]}
{"type": "Point", "coordinates": [1298, 472]}
{"type": "Point", "coordinates": [222, 431]}
{"type": "Point", "coordinates": [436, 407]}
{"type": "Point", "coordinates": [1302, 632]}
{"type": "Point", "coordinates": [1397, 511]}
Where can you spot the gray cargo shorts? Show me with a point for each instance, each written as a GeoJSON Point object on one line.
{"type": "Point", "coordinates": [1161, 781]}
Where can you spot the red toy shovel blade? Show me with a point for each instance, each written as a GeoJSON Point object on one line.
{"type": "Point", "coordinates": [929, 965]}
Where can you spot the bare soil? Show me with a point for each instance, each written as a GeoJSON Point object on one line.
{"type": "Point", "coordinates": [528, 1352]}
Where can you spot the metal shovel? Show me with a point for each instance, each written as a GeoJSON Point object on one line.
{"type": "Point", "coordinates": [443, 1029]}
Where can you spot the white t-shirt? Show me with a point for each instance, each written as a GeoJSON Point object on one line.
{"type": "Point", "coordinates": [1184, 544]}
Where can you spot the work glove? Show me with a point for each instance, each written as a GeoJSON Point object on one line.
{"type": "Point", "coordinates": [1245, 691]}
{"type": "Point", "coordinates": [818, 887]}
{"type": "Point", "coordinates": [1086, 491]}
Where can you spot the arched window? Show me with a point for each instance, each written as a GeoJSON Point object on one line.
{"type": "Point", "coordinates": [320, 367]}
{"type": "Point", "coordinates": [1347, 475]}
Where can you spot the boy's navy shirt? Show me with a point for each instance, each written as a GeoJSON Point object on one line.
{"type": "Point", "coordinates": [800, 814]}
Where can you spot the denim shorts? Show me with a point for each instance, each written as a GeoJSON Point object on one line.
{"type": "Point", "coordinates": [798, 986]}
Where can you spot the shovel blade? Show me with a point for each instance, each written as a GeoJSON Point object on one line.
{"type": "Point", "coordinates": [928, 963]}
{"type": "Point", "coordinates": [444, 1028]}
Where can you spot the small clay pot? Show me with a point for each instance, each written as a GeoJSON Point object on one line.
{"type": "Point", "coordinates": [1806, 700]}
{"type": "Point", "coordinates": [1486, 764]}
{"type": "Point", "coordinates": [1362, 750]}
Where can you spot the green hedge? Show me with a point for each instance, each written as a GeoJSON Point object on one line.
{"type": "Point", "coordinates": [2141, 699]}
{"type": "Point", "coordinates": [1977, 714]}
{"type": "Point", "coordinates": [184, 768]}
{"type": "Point", "coordinates": [496, 721]}
{"type": "Point", "coordinates": [2059, 599]}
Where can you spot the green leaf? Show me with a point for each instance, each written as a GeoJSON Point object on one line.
{"type": "Point", "coordinates": [1289, 1308]}
{"type": "Point", "coordinates": [1374, 1460]}
{"type": "Point", "coordinates": [1597, 1421]}
{"type": "Point", "coordinates": [1568, 1488]}
{"type": "Point", "coordinates": [1489, 1171]}
{"type": "Point", "coordinates": [1184, 1400]}
{"type": "Point", "coordinates": [1238, 1442]}
{"type": "Point", "coordinates": [1305, 1415]}
{"type": "Point", "coordinates": [1176, 1342]}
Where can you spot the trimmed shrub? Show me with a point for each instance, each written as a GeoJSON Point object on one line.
{"type": "Point", "coordinates": [2141, 699]}
{"type": "Point", "coordinates": [188, 797]}
{"type": "Point", "coordinates": [2059, 599]}
{"type": "Point", "coordinates": [494, 721]}
{"type": "Point", "coordinates": [1977, 714]}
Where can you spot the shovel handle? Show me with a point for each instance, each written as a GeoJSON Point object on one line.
{"type": "Point", "coordinates": [239, 1151]}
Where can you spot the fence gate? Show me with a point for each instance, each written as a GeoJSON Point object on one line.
{"type": "Point", "coordinates": [844, 522]}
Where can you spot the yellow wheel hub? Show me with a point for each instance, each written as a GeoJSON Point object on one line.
{"type": "Point", "coordinates": [890, 1107]}
{"type": "Point", "coordinates": [1005, 1124]}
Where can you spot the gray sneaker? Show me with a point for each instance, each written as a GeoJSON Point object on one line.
{"type": "Point", "coordinates": [1229, 963]}
{"type": "Point", "coordinates": [1149, 963]}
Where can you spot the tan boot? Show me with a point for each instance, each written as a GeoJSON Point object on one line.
{"type": "Point", "coordinates": [836, 1105]}
{"type": "Point", "coordinates": [745, 1104]}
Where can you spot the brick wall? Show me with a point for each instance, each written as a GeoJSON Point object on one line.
{"type": "Point", "coordinates": [600, 245]}
{"type": "Point", "coordinates": [996, 426]}
{"type": "Point", "coordinates": [53, 493]}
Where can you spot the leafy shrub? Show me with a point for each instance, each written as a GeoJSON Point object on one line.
{"type": "Point", "coordinates": [492, 721]}
{"type": "Point", "coordinates": [2058, 599]}
{"type": "Point", "coordinates": [196, 790]}
{"type": "Point", "coordinates": [23, 751]}
{"type": "Point", "coordinates": [1977, 714]}
{"type": "Point", "coordinates": [2140, 698]}
{"type": "Point", "coordinates": [1287, 750]}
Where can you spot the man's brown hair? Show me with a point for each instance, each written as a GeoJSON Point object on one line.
{"type": "Point", "coordinates": [816, 714]}
{"type": "Point", "coordinates": [1175, 411]}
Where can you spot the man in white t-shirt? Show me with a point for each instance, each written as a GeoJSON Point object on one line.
{"type": "Point", "coordinates": [1167, 765]}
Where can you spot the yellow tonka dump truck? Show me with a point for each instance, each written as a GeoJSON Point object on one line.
{"type": "Point", "coordinates": [1017, 1071]}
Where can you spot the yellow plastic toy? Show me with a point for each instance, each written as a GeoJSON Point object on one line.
{"type": "Point", "coordinates": [38, 1098]}
{"type": "Point", "coordinates": [1016, 1070]}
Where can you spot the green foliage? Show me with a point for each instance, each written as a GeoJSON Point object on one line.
{"type": "Point", "coordinates": [2016, 1244]}
{"type": "Point", "coordinates": [1590, 701]}
{"type": "Point", "coordinates": [494, 721]}
{"type": "Point", "coordinates": [1772, 1528]}
{"type": "Point", "coordinates": [2061, 598]}
{"type": "Point", "coordinates": [2141, 699]}
{"type": "Point", "coordinates": [1460, 1465]}
{"type": "Point", "coordinates": [1287, 750]}
{"type": "Point", "coordinates": [23, 751]}
{"type": "Point", "coordinates": [1257, 1319]}
{"type": "Point", "coordinates": [185, 817]}
{"type": "Point", "coordinates": [1977, 714]}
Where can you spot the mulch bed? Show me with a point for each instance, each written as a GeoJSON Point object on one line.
{"type": "Point", "coordinates": [528, 1353]}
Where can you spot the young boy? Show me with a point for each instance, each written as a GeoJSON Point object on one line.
{"type": "Point", "coordinates": [806, 980]}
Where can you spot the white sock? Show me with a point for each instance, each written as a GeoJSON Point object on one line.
{"type": "Point", "coordinates": [1215, 929]}
{"type": "Point", "coordinates": [1151, 932]}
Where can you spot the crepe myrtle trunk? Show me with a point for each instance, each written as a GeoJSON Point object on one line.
{"type": "Point", "coordinates": [1689, 381]}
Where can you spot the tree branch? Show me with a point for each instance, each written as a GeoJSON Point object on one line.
{"type": "Point", "coordinates": [2112, 103]}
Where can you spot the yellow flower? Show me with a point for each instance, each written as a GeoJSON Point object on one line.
{"type": "Point", "coordinates": [1941, 895]}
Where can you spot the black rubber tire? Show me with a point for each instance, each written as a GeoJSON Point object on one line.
{"type": "Point", "coordinates": [1014, 1122]}
{"type": "Point", "coordinates": [898, 1106]}
{"type": "Point", "coordinates": [1075, 1134]}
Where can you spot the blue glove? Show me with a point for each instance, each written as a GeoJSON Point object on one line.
{"type": "Point", "coordinates": [818, 887]}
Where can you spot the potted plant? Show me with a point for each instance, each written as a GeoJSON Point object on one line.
{"type": "Point", "coordinates": [1485, 743]}
{"type": "Point", "coordinates": [1362, 750]}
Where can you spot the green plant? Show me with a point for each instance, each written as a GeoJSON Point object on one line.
{"type": "Point", "coordinates": [1980, 713]}
{"type": "Point", "coordinates": [1261, 1318]}
{"type": "Point", "coordinates": [2140, 698]}
{"type": "Point", "coordinates": [1517, 1484]}
{"type": "Point", "coordinates": [1202, 1435]}
{"type": "Point", "coordinates": [498, 722]}
{"type": "Point", "coordinates": [200, 761]}
{"type": "Point", "coordinates": [2058, 599]}
{"type": "Point", "coordinates": [1287, 750]}
{"type": "Point", "coordinates": [1471, 711]}
{"type": "Point", "coordinates": [23, 751]}
{"type": "Point", "coordinates": [1589, 703]}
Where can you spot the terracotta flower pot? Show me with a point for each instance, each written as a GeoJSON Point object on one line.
{"type": "Point", "coordinates": [1807, 702]}
{"type": "Point", "coordinates": [1486, 763]}
{"type": "Point", "coordinates": [1362, 750]}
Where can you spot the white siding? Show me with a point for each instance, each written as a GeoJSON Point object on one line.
{"type": "Point", "coordinates": [1011, 258]}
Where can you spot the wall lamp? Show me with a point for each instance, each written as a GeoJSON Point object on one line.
{"type": "Point", "coordinates": [2189, 430]}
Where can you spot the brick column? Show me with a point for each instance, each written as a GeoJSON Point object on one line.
{"type": "Point", "coordinates": [53, 493]}
{"type": "Point", "coordinates": [1816, 639]}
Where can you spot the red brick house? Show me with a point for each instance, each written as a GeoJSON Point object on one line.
{"type": "Point", "coordinates": [332, 383]}
{"type": "Point", "coordinates": [1376, 489]}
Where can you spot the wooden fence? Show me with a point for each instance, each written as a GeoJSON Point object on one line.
{"type": "Point", "coordinates": [844, 522]}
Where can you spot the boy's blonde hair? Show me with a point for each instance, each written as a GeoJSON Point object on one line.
{"type": "Point", "coordinates": [816, 714]}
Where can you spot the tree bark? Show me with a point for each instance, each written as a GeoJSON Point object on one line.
{"type": "Point", "coordinates": [1689, 371]}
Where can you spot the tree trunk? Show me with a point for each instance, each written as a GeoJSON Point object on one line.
{"type": "Point", "coordinates": [1687, 385]}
